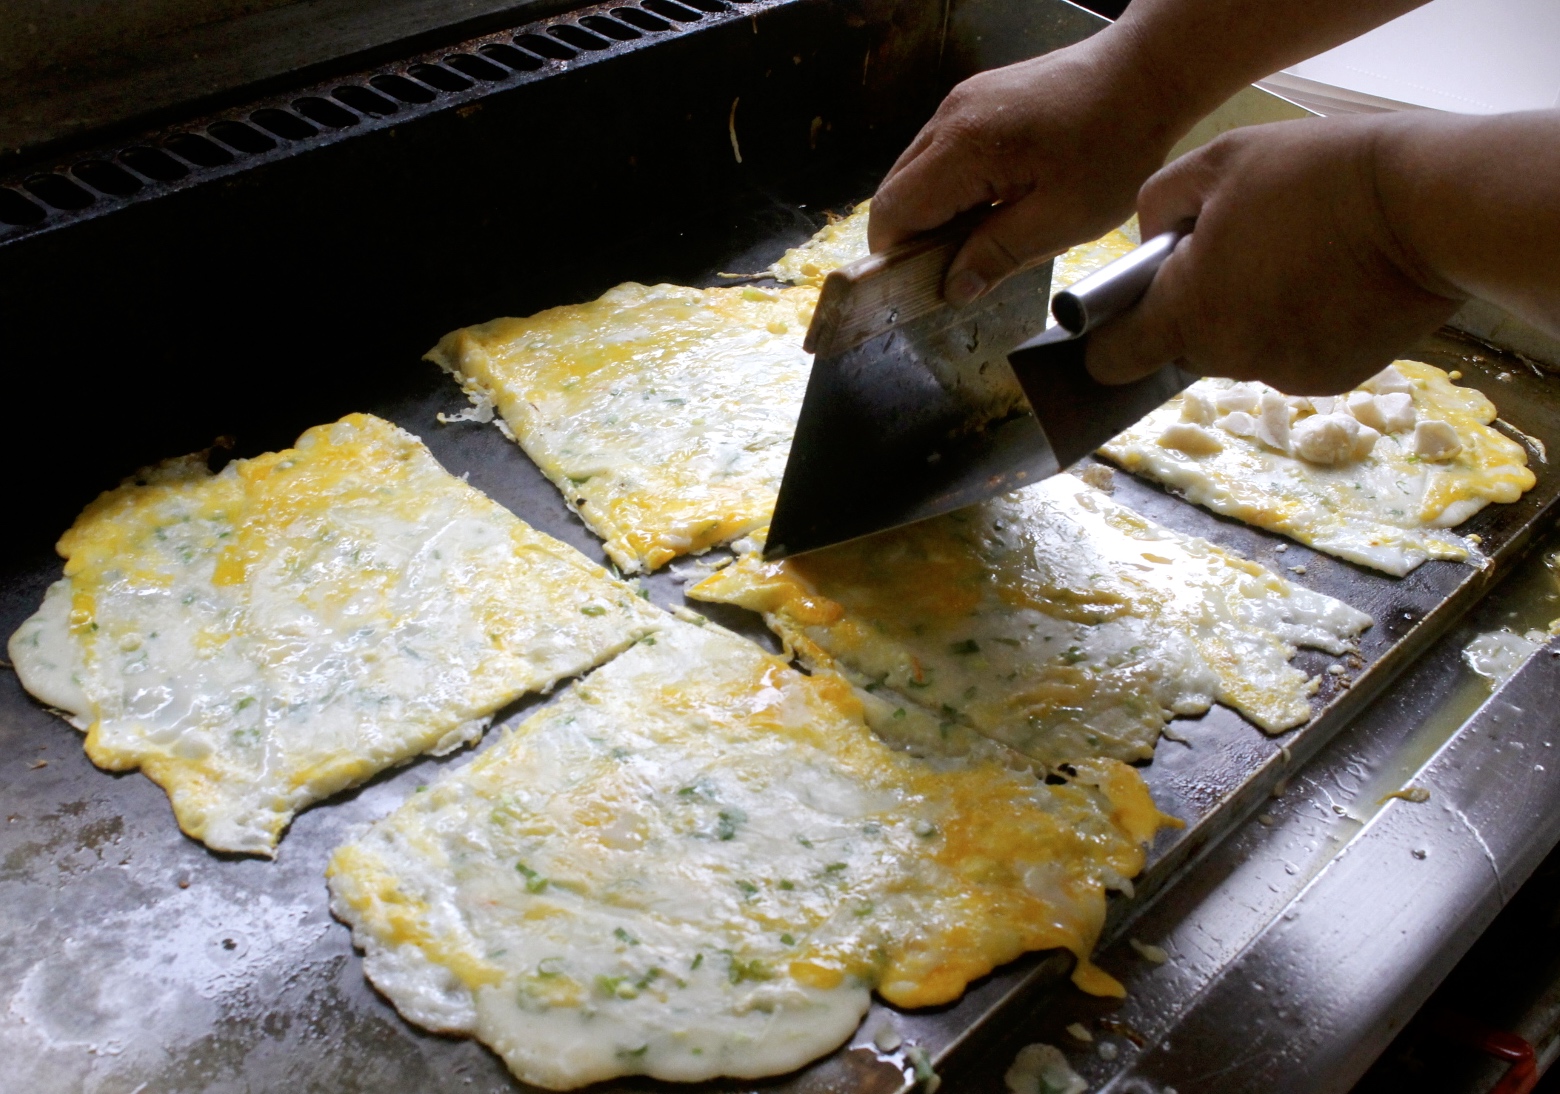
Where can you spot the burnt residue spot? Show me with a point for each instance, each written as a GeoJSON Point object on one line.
{"type": "Point", "coordinates": [516, 59]}
{"type": "Point", "coordinates": [17, 210]}
{"type": "Point", "coordinates": [579, 37]}
{"type": "Point", "coordinates": [287, 126]}
{"type": "Point", "coordinates": [364, 101]}
{"type": "Point", "coordinates": [240, 136]}
{"type": "Point", "coordinates": [440, 77]}
{"type": "Point", "coordinates": [544, 47]}
{"type": "Point", "coordinates": [476, 67]}
{"type": "Point", "coordinates": [673, 11]}
{"type": "Point", "coordinates": [1399, 621]}
{"type": "Point", "coordinates": [59, 191]}
{"type": "Point", "coordinates": [610, 28]}
{"type": "Point", "coordinates": [399, 87]}
{"type": "Point", "coordinates": [106, 178]}
{"type": "Point", "coordinates": [153, 163]}
{"type": "Point", "coordinates": [62, 836]}
{"type": "Point", "coordinates": [198, 150]}
{"type": "Point", "coordinates": [325, 112]}
{"type": "Point", "coordinates": [641, 19]}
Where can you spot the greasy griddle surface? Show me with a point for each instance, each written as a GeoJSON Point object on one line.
{"type": "Point", "coordinates": [134, 960]}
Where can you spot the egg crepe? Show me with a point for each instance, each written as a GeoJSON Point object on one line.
{"type": "Point", "coordinates": [1390, 509]}
{"type": "Point", "coordinates": [699, 862]}
{"type": "Point", "coordinates": [838, 243]}
{"type": "Point", "coordinates": [1052, 620]}
{"type": "Point", "coordinates": [663, 414]}
{"type": "Point", "coordinates": [258, 639]}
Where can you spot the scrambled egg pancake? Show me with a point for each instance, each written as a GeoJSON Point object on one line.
{"type": "Point", "coordinates": [700, 862]}
{"type": "Point", "coordinates": [663, 414]}
{"type": "Point", "coordinates": [1087, 258]}
{"type": "Point", "coordinates": [258, 639]}
{"type": "Point", "coordinates": [1052, 620]}
{"type": "Point", "coordinates": [1375, 476]}
{"type": "Point", "coordinates": [836, 244]}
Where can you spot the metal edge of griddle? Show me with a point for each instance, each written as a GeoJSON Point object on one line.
{"type": "Point", "coordinates": [1176, 851]}
{"type": "Point", "coordinates": [513, 62]}
{"type": "Point", "coordinates": [1450, 863]}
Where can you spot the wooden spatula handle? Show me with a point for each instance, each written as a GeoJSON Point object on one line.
{"type": "Point", "coordinates": [881, 291]}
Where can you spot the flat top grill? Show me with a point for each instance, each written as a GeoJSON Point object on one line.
{"type": "Point", "coordinates": [266, 300]}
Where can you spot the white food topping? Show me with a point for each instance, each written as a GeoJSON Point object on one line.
{"type": "Point", "coordinates": [1332, 439]}
{"type": "Point", "coordinates": [1436, 441]}
{"type": "Point", "coordinates": [1197, 409]}
{"type": "Point", "coordinates": [1388, 381]}
{"type": "Point", "coordinates": [1496, 655]}
{"type": "Point", "coordinates": [1239, 423]}
{"type": "Point", "coordinates": [1194, 440]}
{"type": "Point", "coordinates": [1042, 1069]}
{"type": "Point", "coordinates": [1243, 397]}
{"type": "Point", "coordinates": [1273, 423]}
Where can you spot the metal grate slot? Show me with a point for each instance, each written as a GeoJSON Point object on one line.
{"type": "Point", "coordinates": [400, 87]}
{"type": "Point", "coordinates": [287, 126]}
{"type": "Point", "coordinates": [324, 112]}
{"type": "Point", "coordinates": [438, 76]}
{"type": "Point", "coordinates": [516, 59]}
{"type": "Point", "coordinates": [610, 27]}
{"type": "Point", "coordinates": [59, 191]}
{"type": "Point", "coordinates": [154, 164]}
{"type": "Point", "coordinates": [476, 67]}
{"type": "Point", "coordinates": [198, 150]}
{"type": "Point", "coordinates": [641, 19]}
{"type": "Point", "coordinates": [544, 47]}
{"type": "Point", "coordinates": [106, 178]}
{"type": "Point", "coordinates": [17, 211]}
{"type": "Point", "coordinates": [365, 101]}
{"type": "Point", "coordinates": [240, 136]}
{"type": "Point", "coordinates": [578, 37]}
{"type": "Point", "coordinates": [673, 11]}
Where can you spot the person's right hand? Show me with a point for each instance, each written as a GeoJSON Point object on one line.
{"type": "Point", "coordinates": [1062, 141]}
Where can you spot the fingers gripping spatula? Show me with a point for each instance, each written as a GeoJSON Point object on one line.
{"type": "Point", "coordinates": [915, 407]}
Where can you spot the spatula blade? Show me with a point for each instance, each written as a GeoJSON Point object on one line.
{"type": "Point", "coordinates": [922, 419]}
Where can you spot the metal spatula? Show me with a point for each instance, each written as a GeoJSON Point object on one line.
{"type": "Point", "coordinates": [916, 408]}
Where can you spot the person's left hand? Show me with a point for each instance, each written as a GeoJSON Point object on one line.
{"type": "Point", "coordinates": [1292, 275]}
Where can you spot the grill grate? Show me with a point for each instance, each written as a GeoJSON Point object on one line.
{"type": "Point", "coordinates": [89, 184]}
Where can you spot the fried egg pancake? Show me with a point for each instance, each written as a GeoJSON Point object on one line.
{"type": "Point", "coordinates": [258, 639]}
{"type": "Point", "coordinates": [1390, 510]}
{"type": "Point", "coordinates": [836, 244]}
{"type": "Point", "coordinates": [663, 414]}
{"type": "Point", "coordinates": [699, 862]}
{"type": "Point", "coordinates": [1052, 620]}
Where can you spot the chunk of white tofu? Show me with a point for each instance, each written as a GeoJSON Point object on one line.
{"type": "Point", "coordinates": [1273, 421]}
{"type": "Point", "coordinates": [1197, 408]}
{"type": "Point", "coordinates": [1243, 397]}
{"type": "Point", "coordinates": [1436, 441]}
{"type": "Point", "coordinates": [1387, 382]}
{"type": "Point", "coordinates": [1239, 423]}
{"type": "Point", "coordinates": [1332, 439]}
{"type": "Point", "coordinates": [1194, 440]}
{"type": "Point", "coordinates": [1396, 411]}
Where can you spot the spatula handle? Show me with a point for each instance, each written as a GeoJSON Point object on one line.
{"type": "Point", "coordinates": [1108, 292]}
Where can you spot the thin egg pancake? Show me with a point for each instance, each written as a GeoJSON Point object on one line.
{"type": "Point", "coordinates": [699, 862]}
{"type": "Point", "coordinates": [258, 639]}
{"type": "Point", "coordinates": [1390, 510]}
{"type": "Point", "coordinates": [663, 414]}
{"type": "Point", "coordinates": [1052, 620]}
{"type": "Point", "coordinates": [836, 244]}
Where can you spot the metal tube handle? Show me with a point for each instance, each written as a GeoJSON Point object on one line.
{"type": "Point", "coordinates": [1108, 292]}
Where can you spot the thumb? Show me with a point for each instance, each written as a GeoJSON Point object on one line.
{"type": "Point", "coordinates": [1137, 342]}
{"type": "Point", "coordinates": [1009, 239]}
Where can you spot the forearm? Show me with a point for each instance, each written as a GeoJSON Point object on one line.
{"type": "Point", "coordinates": [1200, 52]}
{"type": "Point", "coordinates": [1472, 206]}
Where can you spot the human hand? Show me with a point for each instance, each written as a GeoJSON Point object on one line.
{"type": "Point", "coordinates": [1294, 275]}
{"type": "Point", "coordinates": [1062, 141]}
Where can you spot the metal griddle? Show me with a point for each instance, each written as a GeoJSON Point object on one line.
{"type": "Point", "coordinates": [305, 284]}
